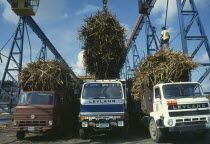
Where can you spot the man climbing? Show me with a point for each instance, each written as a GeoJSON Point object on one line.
{"type": "Point", "coordinates": [164, 38]}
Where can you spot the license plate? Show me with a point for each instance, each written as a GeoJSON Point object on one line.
{"type": "Point", "coordinates": [31, 129]}
{"type": "Point", "coordinates": [102, 125]}
{"type": "Point", "coordinates": [208, 125]}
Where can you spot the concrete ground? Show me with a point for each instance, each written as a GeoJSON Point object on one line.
{"type": "Point", "coordinates": [7, 136]}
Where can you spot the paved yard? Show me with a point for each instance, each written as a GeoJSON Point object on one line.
{"type": "Point", "coordinates": [7, 136]}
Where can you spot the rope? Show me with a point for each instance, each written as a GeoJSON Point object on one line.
{"type": "Point", "coordinates": [1, 58]}
{"type": "Point", "coordinates": [29, 43]}
{"type": "Point", "coordinates": [5, 56]}
{"type": "Point", "coordinates": [166, 13]}
{"type": "Point", "coordinates": [5, 46]}
{"type": "Point", "coordinates": [175, 37]}
{"type": "Point", "coordinates": [7, 42]}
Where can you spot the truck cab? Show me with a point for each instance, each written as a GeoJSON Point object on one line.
{"type": "Point", "coordinates": [38, 111]}
{"type": "Point", "coordinates": [103, 107]}
{"type": "Point", "coordinates": [178, 107]}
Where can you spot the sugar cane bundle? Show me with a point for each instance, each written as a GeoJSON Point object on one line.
{"type": "Point", "coordinates": [45, 75]}
{"type": "Point", "coordinates": [164, 66]}
{"type": "Point", "coordinates": [104, 45]}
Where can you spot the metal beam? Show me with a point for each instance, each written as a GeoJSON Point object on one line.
{"type": "Point", "coordinates": [180, 7]}
{"type": "Point", "coordinates": [135, 32]}
{"type": "Point", "coordinates": [185, 37]}
{"type": "Point", "coordinates": [43, 37]}
{"type": "Point", "coordinates": [17, 50]}
{"type": "Point", "coordinates": [139, 23]}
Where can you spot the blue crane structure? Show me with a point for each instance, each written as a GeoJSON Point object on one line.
{"type": "Point", "coordinates": [152, 41]}
{"type": "Point", "coordinates": [145, 7]}
{"type": "Point", "coordinates": [187, 37]}
{"type": "Point", "coordinates": [16, 56]}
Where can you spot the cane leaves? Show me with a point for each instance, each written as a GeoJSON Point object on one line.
{"type": "Point", "coordinates": [164, 66]}
{"type": "Point", "coordinates": [46, 75]}
{"type": "Point", "coordinates": [104, 45]}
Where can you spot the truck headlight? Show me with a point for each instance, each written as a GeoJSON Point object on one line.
{"type": "Point", "coordinates": [209, 118]}
{"type": "Point", "coordinates": [50, 123]}
{"type": "Point", "coordinates": [14, 123]}
{"type": "Point", "coordinates": [84, 124]}
{"type": "Point", "coordinates": [83, 118]}
{"type": "Point", "coordinates": [120, 123]}
{"type": "Point", "coordinates": [170, 122]}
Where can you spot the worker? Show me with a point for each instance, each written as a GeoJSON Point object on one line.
{"type": "Point", "coordinates": [164, 38]}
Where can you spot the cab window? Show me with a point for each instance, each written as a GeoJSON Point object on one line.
{"type": "Point", "coordinates": [157, 93]}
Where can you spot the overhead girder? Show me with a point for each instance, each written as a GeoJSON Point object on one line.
{"type": "Point", "coordinates": [186, 37]}
{"type": "Point", "coordinates": [150, 32]}
{"type": "Point", "coordinates": [143, 18]}
{"type": "Point", "coordinates": [16, 55]}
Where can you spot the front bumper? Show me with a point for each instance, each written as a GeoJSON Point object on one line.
{"type": "Point", "coordinates": [102, 125]}
{"type": "Point", "coordinates": [33, 128]}
{"type": "Point", "coordinates": [189, 128]}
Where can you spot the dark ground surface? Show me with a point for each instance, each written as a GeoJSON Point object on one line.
{"type": "Point", "coordinates": [7, 136]}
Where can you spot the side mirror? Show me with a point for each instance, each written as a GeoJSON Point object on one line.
{"type": "Point", "coordinates": [76, 91]}
{"type": "Point", "coordinates": [61, 100]}
{"type": "Point", "coordinates": [150, 99]}
{"type": "Point", "coordinates": [127, 90]}
{"type": "Point", "coordinates": [158, 96]}
{"type": "Point", "coordinates": [208, 97]}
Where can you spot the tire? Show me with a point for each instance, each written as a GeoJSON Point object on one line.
{"type": "Point", "coordinates": [155, 133]}
{"type": "Point", "coordinates": [201, 134]}
{"type": "Point", "coordinates": [20, 135]}
{"type": "Point", "coordinates": [82, 133]}
{"type": "Point", "coordinates": [124, 131]}
{"type": "Point", "coordinates": [60, 128]}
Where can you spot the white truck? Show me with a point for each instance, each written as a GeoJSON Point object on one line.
{"type": "Point", "coordinates": [175, 107]}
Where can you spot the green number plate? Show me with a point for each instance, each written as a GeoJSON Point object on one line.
{"type": "Point", "coordinates": [207, 125]}
{"type": "Point", "coordinates": [102, 125]}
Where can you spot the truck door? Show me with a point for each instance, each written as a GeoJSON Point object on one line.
{"type": "Point", "coordinates": [157, 105]}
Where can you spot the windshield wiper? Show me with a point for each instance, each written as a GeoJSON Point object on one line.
{"type": "Point", "coordinates": [23, 104]}
{"type": "Point", "coordinates": [173, 97]}
{"type": "Point", "coordinates": [100, 98]}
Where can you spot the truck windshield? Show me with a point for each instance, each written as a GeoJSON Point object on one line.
{"type": "Point", "coordinates": [102, 91]}
{"type": "Point", "coordinates": [181, 91]}
{"type": "Point", "coordinates": [36, 98]}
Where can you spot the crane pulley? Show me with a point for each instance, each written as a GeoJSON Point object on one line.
{"type": "Point", "coordinates": [24, 7]}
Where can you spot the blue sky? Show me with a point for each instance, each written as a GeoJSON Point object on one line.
{"type": "Point", "coordinates": [61, 19]}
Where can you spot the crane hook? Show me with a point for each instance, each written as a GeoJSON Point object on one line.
{"type": "Point", "coordinates": [1, 58]}
{"type": "Point", "coordinates": [105, 2]}
{"type": "Point", "coordinates": [105, 8]}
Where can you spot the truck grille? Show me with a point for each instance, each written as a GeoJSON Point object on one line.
{"type": "Point", "coordinates": [32, 123]}
{"type": "Point", "coordinates": [190, 123]}
{"type": "Point", "coordinates": [189, 113]}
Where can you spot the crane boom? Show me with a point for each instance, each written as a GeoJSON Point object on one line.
{"type": "Point", "coordinates": [140, 22]}
{"type": "Point", "coordinates": [29, 20]}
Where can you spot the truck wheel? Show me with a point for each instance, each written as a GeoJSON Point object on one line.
{"type": "Point", "coordinates": [124, 131]}
{"type": "Point", "coordinates": [20, 135]}
{"type": "Point", "coordinates": [82, 133]}
{"type": "Point", "coordinates": [201, 134]}
{"type": "Point", "coordinates": [155, 133]}
{"type": "Point", "coordinates": [60, 128]}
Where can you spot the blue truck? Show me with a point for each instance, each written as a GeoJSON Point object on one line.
{"type": "Point", "coordinates": [103, 107]}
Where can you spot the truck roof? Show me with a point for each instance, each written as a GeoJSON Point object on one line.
{"type": "Point", "coordinates": [106, 81]}
{"type": "Point", "coordinates": [161, 84]}
{"type": "Point", "coordinates": [38, 92]}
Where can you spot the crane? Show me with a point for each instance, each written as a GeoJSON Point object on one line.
{"type": "Point", "coordinates": [25, 9]}
{"type": "Point", "coordinates": [184, 11]}
{"type": "Point", "coordinates": [145, 7]}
